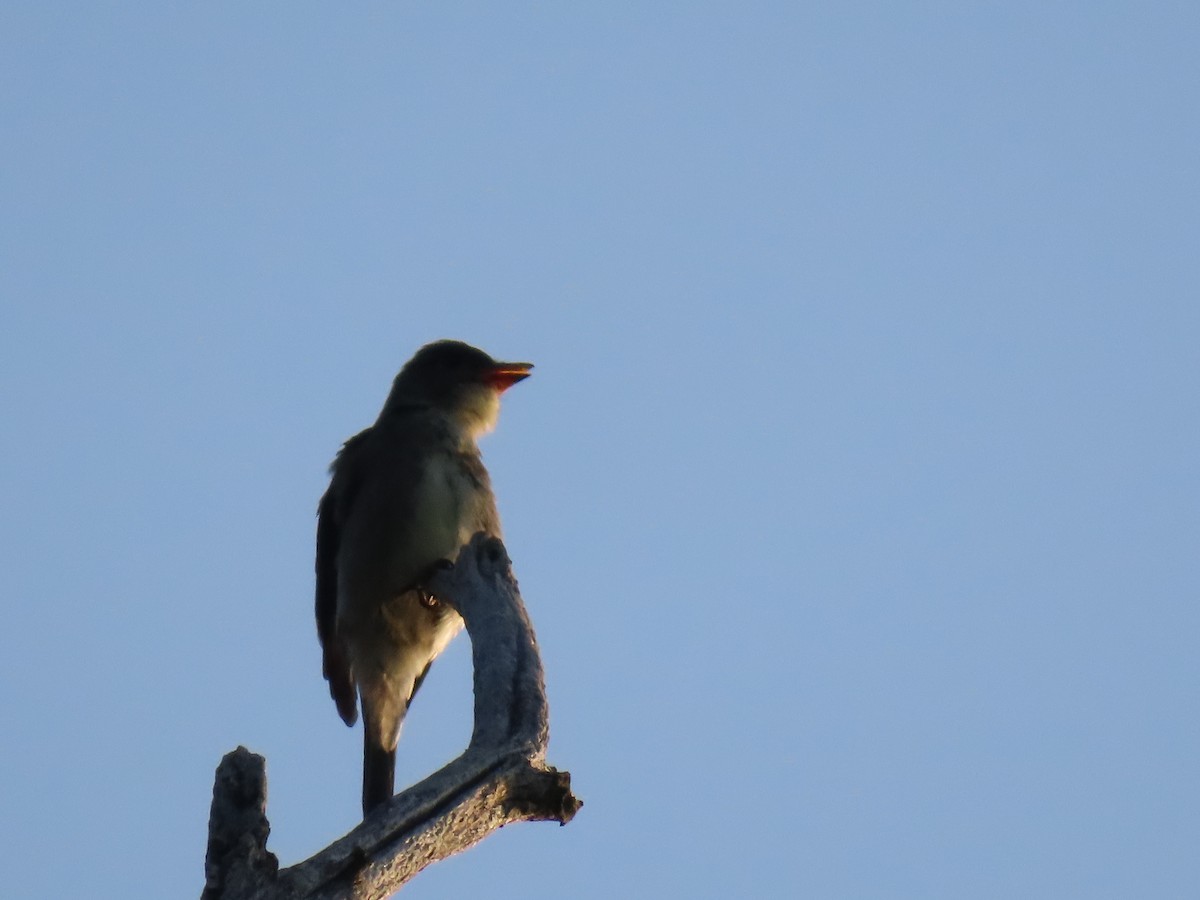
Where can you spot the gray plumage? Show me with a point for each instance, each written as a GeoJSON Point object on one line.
{"type": "Point", "coordinates": [405, 494]}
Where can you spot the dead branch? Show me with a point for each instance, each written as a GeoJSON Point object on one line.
{"type": "Point", "coordinates": [501, 778]}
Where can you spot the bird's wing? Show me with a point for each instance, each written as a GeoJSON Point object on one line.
{"type": "Point", "coordinates": [330, 514]}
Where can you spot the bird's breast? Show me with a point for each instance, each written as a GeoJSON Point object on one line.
{"type": "Point", "coordinates": [455, 501]}
{"type": "Point", "coordinates": [407, 517]}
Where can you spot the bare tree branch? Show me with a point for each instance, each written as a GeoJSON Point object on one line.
{"type": "Point", "coordinates": [501, 778]}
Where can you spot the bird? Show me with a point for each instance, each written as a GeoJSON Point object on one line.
{"type": "Point", "coordinates": [405, 496]}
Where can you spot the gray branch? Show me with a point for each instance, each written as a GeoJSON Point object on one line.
{"type": "Point", "coordinates": [501, 778]}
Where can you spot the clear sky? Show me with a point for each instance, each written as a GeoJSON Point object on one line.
{"type": "Point", "coordinates": [855, 496]}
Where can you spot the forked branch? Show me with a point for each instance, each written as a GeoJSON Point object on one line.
{"type": "Point", "coordinates": [501, 778]}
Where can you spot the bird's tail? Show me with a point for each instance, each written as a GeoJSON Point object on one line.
{"type": "Point", "coordinates": [383, 711]}
{"type": "Point", "coordinates": [379, 771]}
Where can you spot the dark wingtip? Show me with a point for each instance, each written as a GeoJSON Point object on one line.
{"type": "Point", "coordinates": [346, 706]}
{"type": "Point", "coordinates": [341, 683]}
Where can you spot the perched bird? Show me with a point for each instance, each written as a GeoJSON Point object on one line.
{"type": "Point", "coordinates": [405, 494]}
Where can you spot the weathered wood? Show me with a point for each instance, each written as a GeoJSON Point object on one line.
{"type": "Point", "coordinates": [501, 778]}
{"type": "Point", "coordinates": [237, 859]}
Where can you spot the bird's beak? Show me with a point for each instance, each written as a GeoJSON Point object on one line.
{"type": "Point", "coordinates": [504, 375]}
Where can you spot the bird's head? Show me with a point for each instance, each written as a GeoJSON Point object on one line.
{"type": "Point", "coordinates": [458, 380]}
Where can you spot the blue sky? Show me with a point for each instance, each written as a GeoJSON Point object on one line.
{"type": "Point", "coordinates": [854, 498]}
